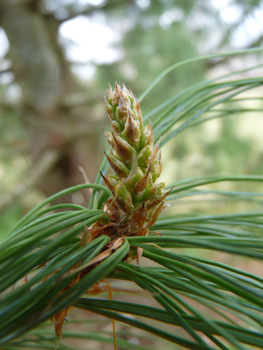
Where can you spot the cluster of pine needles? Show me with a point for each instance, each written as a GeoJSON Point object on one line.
{"type": "Point", "coordinates": [68, 250]}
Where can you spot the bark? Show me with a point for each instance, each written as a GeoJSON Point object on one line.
{"type": "Point", "coordinates": [45, 79]}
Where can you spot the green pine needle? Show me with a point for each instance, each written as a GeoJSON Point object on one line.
{"type": "Point", "coordinates": [217, 305]}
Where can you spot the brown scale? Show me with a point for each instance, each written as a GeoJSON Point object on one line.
{"type": "Point", "coordinates": [123, 224]}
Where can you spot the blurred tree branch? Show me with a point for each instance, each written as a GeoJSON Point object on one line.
{"type": "Point", "coordinates": [78, 99]}
{"type": "Point", "coordinates": [6, 70]}
{"type": "Point", "coordinates": [45, 78]}
{"type": "Point", "coordinates": [89, 10]}
{"type": "Point", "coordinates": [31, 179]}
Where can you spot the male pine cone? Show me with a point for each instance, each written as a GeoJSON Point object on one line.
{"type": "Point", "coordinates": [137, 198]}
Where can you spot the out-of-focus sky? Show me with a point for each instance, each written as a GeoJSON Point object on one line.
{"type": "Point", "coordinates": [82, 34]}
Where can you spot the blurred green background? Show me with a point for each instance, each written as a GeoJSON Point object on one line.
{"type": "Point", "coordinates": [56, 59]}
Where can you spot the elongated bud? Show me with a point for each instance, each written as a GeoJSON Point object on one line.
{"type": "Point", "coordinates": [114, 96]}
{"type": "Point", "coordinates": [145, 156]}
{"type": "Point", "coordinates": [124, 149]}
{"type": "Point", "coordinates": [138, 216]}
{"type": "Point", "coordinates": [155, 151]}
{"type": "Point", "coordinates": [124, 196]}
{"type": "Point", "coordinates": [156, 168]}
{"type": "Point", "coordinates": [108, 183]}
{"type": "Point", "coordinates": [116, 127]}
{"type": "Point", "coordinates": [153, 192]}
{"type": "Point", "coordinates": [109, 138]}
{"type": "Point", "coordinates": [143, 183]}
{"type": "Point", "coordinates": [135, 178]}
{"type": "Point", "coordinates": [113, 180]}
{"type": "Point", "coordinates": [109, 109]}
{"type": "Point", "coordinates": [135, 162]}
{"type": "Point", "coordinates": [146, 137]}
{"type": "Point", "coordinates": [118, 166]}
{"type": "Point", "coordinates": [131, 131]}
{"type": "Point", "coordinates": [156, 201]}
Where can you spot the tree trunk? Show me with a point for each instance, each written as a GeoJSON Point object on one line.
{"type": "Point", "coordinates": [45, 80]}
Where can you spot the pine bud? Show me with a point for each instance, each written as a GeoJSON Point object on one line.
{"type": "Point", "coordinates": [137, 198]}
